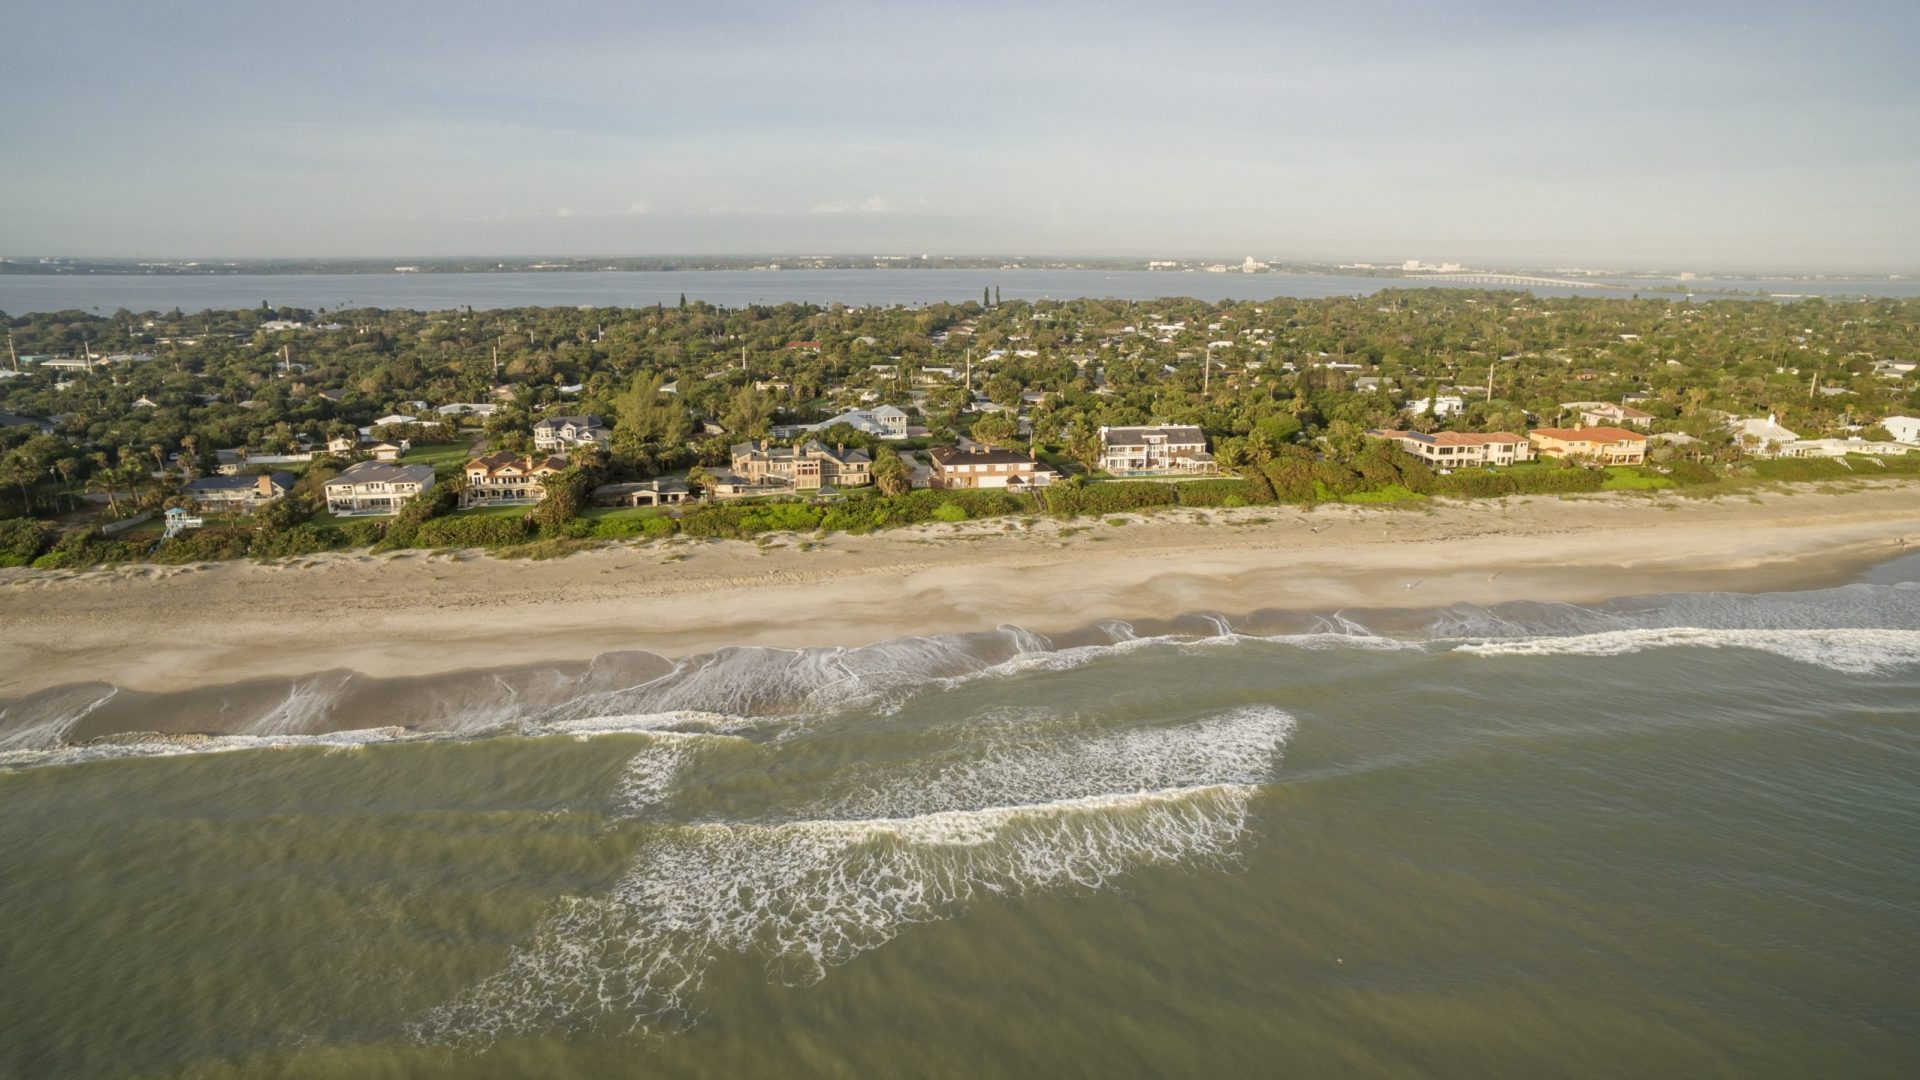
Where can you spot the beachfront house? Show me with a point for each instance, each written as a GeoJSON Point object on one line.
{"type": "Point", "coordinates": [376, 487]}
{"type": "Point", "coordinates": [1126, 451]}
{"type": "Point", "coordinates": [507, 479]}
{"type": "Point", "coordinates": [1461, 449]}
{"type": "Point", "coordinates": [1606, 412]}
{"type": "Point", "coordinates": [957, 468]}
{"type": "Point", "coordinates": [1904, 429]}
{"type": "Point", "coordinates": [237, 494]}
{"type": "Point", "coordinates": [807, 467]}
{"type": "Point", "coordinates": [1595, 445]}
{"type": "Point", "coordinates": [1763, 437]}
{"type": "Point", "coordinates": [664, 491]}
{"type": "Point", "coordinates": [567, 432]}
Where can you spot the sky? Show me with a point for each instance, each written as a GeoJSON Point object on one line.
{"type": "Point", "coordinates": [1706, 136]}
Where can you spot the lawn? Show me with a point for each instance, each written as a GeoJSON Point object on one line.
{"type": "Point", "coordinates": [1627, 478]}
{"type": "Point", "coordinates": [521, 510]}
{"type": "Point", "coordinates": [623, 513]}
{"type": "Point", "coordinates": [444, 457]}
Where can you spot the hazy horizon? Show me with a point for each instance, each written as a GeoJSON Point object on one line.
{"type": "Point", "coordinates": [1723, 138]}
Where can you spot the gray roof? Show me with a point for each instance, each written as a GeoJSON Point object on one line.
{"type": "Point", "coordinates": [562, 421]}
{"type": "Point", "coordinates": [206, 484]}
{"type": "Point", "coordinates": [382, 472]}
{"type": "Point", "coordinates": [8, 419]}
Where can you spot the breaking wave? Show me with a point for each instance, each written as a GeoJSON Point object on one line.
{"type": "Point", "coordinates": [801, 896]}
{"type": "Point", "coordinates": [1021, 760]}
{"type": "Point", "coordinates": [1856, 651]}
{"type": "Point", "coordinates": [807, 895]}
{"type": "Point", "coordinates": [155, 744]}
{"type": "Point", "coordinates": [654, 771]}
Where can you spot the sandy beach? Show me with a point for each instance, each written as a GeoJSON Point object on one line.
{"type": "Point", "coordinates": [416, 613]}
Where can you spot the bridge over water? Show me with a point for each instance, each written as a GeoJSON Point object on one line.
{"type": "Point", "coordinates": [1513, 279]}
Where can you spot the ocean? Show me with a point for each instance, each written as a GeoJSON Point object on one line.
{"type": "Point", "coordinates": [1671, 835]}
{"type": "Point", "coordinates": [107, 293]}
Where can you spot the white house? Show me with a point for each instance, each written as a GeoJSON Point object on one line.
{"type": "Point", "coordinates": [376, 487]}
{"type": "Point", "coordinates": [1904, 429]}
{"type": "Point", "coordinates": [566, 432]}
{"type": "Point", "coordinates": [885, 422]}
{"type": "Point", "coordinates": [1163, 449]}
{"type": "Point", "coordinates": [1444, 405]}
{"type": "Point", "coordinates": [1763, 437]}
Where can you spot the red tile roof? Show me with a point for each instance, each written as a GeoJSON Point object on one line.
{"type": "Point", "coordinates": [1590, 434]}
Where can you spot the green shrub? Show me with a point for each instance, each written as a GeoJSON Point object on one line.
{"type": "Point", "coordinates": [304, 539]}
{"type": "Point", "coordinates": [403, 529]}
{"type": "Point", "coordinates": [1692, 472]}
{"type": "Point", "coordinates": [626, 527]}
{"type": "Point", "coordinates": [205, 545]}
{"type": "Point", "coordinates": [1558, 480]}
{"type": "Point", "coordinates": [950, 512]}
{"type": "Point", "coordinates": [1475, 484]}
{"type": "Point", "coordinates": [1387, 493]}
{"type": "Point", "coordinates": [1801, 469]}
{"type": "Point", "coordinates": [1108, 497]}
{"type": "Point", "coordinates": [1223, 492]}
{"type": "Point", "coordinates": [88, 547]}
{"type": "Point", "coordinates": [483, 531]}
{"type": "Point", "coordinates": [22, 540]}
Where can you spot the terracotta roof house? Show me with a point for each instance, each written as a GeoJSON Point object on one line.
{"type": "Point", "coordinates": [1600, 445]}
{"type": "Point", "coordinates": [506, 479]}
{"type": "Point", "coordinates": [807, 467]}
{"type": "Point", "coordinates": [1455, 449]}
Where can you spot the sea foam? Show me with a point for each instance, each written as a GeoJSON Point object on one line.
{"type": "Point", "coordinates": [1853, 650]}
{"type": "Point", "coordinates": [804, 895]}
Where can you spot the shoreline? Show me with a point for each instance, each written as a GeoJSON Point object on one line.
{"type": "Point", "coordinates": [168, 629]}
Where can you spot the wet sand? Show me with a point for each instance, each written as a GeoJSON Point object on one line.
{"type": "Point", "coordinates": [420, 613]}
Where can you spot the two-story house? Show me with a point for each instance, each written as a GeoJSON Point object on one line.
{"type": "Point", "coordinates": [1599, 445]}
{"type": "Point", "coordinates": [507, 478]}
{"type": "Point", "coordinates": [376, 487]}
{"type": "Point", "coordinates": [955, 468]}
{"type": "Point", "coordinates": [807, 467]}
{"type": "Point", "coordinates": [565, 432]}
{"type": "Point", "coordinates": [1461, 449]}
{"type": "Point", "coordinates": [1163, 449]}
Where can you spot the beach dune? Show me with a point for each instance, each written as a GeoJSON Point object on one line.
{"type": "Point", "coordinates": [418, 613]}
